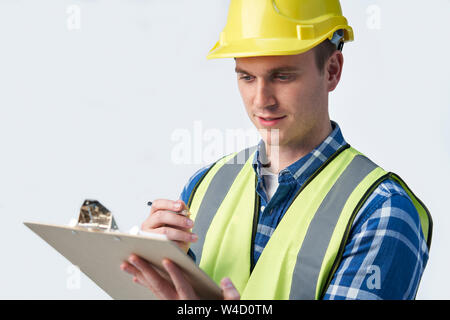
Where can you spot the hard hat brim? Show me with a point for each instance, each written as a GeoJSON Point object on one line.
{"type": "Point", "coordinates": [259, 47]}
{"type": "Point", "coordinates": [271, 47]}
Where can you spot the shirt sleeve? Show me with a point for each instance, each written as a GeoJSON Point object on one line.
{"type": "Point", "coordinates": [189, 186]}
{"type": "Point", "coordinates": [386, 253]}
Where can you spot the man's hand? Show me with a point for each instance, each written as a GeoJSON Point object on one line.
{"type": "Point", "coordinates": [164, 219]}
{"type": "Point", "coordinates": [177, 288]}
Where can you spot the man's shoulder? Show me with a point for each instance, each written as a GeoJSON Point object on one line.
{"type": "Point", "coordinates": [389, 188]}
{"type": "Point", "coordinates": [195, 178]}
{"type": "Point", "coordinates": [192, 182]}
{"type": "Point", "coordinates": [388, 202]}
{"type": "Point", "coordinates": [386, 234]}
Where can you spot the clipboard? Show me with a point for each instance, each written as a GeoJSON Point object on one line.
{"type": "Point", "coordinates": [98, 253]}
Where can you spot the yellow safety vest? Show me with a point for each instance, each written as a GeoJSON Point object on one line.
{"type": "Point", "coordinates": [306, 247]}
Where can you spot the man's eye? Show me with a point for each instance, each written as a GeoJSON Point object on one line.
{"type": "Point", "coordinates": [246, 78]}
{"type": "Point", "coordinates": [284, 77]}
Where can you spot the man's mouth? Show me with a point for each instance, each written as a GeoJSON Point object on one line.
{"type": "Point", "coordinates": [269, 121]}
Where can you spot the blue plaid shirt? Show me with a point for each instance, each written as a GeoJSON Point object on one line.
{"type": "Point", "coordinates": [386, 252]}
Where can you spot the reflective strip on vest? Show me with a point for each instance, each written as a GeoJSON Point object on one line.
{"type": "Point", "coordinates": [312, 252]}
{"type": "Point", "coordinates": [214, 196]}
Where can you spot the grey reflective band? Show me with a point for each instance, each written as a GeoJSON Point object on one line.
{"type": "Point", "coordinates": [320, 230]}
{"type": "Point", "coordinates": [216, 192]}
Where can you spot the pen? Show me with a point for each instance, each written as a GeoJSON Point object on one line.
{"type": "Point", "coordinates": [183, 212]}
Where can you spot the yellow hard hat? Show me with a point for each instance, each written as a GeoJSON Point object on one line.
{"type": "Point", "coordinates": [279, 27]}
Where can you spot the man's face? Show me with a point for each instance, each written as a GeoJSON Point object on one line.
{"type": "Point", "coordinates": [287, 93]}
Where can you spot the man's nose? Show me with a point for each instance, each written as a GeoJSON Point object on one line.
{"type": "Point", "coordinates": [264, 96]}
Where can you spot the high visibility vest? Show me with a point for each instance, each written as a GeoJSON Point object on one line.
{"type": "Point", "coordinates": [306, 247]}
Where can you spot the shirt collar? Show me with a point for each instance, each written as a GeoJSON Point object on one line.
{"type": "Point", "coordinates": [304, 167]}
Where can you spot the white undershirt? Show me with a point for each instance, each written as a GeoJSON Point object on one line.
{"type": "Point", "coordinates": [271, 182]}
{"type": "Point", "coordinates": [270, 178]}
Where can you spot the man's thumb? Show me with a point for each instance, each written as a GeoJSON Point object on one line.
{"type": "Point", "coordinates": [228, 289]}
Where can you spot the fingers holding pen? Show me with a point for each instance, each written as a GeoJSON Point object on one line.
{"type": "Point", "coordinates": [171, 218]}
{"type": "Point", "coordinates": [168, 212]}
{"type": "Point", "coordinates": [166, 204]}
{"type": "Point", "coordinates": [176, 235]}
{"type": "Point", "coordinates": [176, 227]}
{"type": "Point", "coordinates": [164, 217]}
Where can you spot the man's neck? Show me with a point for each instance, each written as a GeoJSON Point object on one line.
{"type": "Point", "coordinates": [282, 156]}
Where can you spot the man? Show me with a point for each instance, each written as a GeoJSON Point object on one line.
{"type": "Point", "coordinates": [302, 215]}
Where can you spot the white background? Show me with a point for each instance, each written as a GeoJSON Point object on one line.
{"type": "Point", "coordinates": [88, 110]}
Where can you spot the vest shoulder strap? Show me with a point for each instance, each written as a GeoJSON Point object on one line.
{"type": "Point", "coordinates": [321, 230]}
{"type": "Point", "coordinates": [216, 192]}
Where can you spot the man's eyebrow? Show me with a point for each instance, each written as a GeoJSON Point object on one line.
{"type": "Point", "coordinates": [271, 71]}
{"type": "Point", "coordinates": [239, 70]}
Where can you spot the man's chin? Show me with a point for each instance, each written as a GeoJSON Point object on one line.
{"type": "Point", "coordinates": [271, 136]}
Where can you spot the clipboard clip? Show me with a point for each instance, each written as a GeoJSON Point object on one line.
{"type": "Point", "coordinates": [94, 215]}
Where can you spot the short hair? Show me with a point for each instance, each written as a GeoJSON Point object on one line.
{"type": "Point", "coordinates": [323, 52]}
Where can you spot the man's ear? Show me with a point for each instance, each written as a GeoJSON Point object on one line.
{"type": "Point", "coordinates": [333, 70]}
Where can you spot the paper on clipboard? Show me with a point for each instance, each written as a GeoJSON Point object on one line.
{"type": "Point", "coordinates": [99, 253]}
